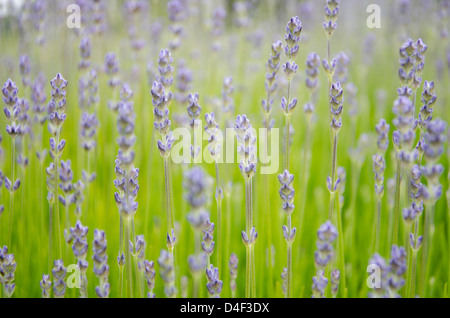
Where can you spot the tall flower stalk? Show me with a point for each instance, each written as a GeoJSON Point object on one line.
{"type": "Point", "coordinates": [403, 139]}
{"type": "Point", "coordinates": [272, 67]}
{"type": "Point", "coordinates": [161, 98]}
{"type": "Point", "coordinates": [287, 196]}
{"type": "Point", "coordinates": [379, 166]}
{"type": "Point", "coordinates": [247, 151]}
{"type": "Point", "coordinates": [126, 181]}
{"type": "Point", "coordinates": [57, 116]}
{"type": "Point", "coordinates": [323, 257]}
{"type": "Point", "coordinates": [233, 265]}
{"type": "Point", "coordinates": [101, 268]}
{"type": "Point", "coordinates": [336, 104]}
{"type": "Point", "coordinates": [14, 129]}
{"type": "Point", "coordinates": [292, 37]}
{"type": "Point", "coordinates": [214, 137]}
{"type": "Point", "coordinates": [312, 72]}
{"type": "Point", "coordinates": [196, 182]}
{"type": "Point", "coordinates": [80, 248]}
{"type": "Point", "coordinates": [435, 138]}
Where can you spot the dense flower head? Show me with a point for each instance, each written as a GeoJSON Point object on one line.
{"type": "Point", "coordinates": [38, 98]}
{"type": "Point", "coordinates": [287, 191]}
{"type": "Point", "coordinates": [326, 235]}
{"type": "Point", "coordinates": [435, 138]}
{"type": "Point", "coordinates": [214, 136]}
{"type": "Point", "coordinates": [197, 182]}
{"type": "Point", "coordinates": [150, 275]}
{"type": "Point", "coordinates": [45, 284]}
{"type": "Point", "coordinates": [233, 265]}
{"type": "Point", "coordinates": [397, 266]}
{"type": "Point", "coordinates": [380, 290]}
{"type": "Point", "coordinates": [59, 273]}
{"type": "Point", "coordinates": [312, 70]}
{"type": "Point", "coordinates": [426, 110]}
{"type": "Point", "coordinates": [331, 15]}
{"type": "Point", "coordinates": [382, 129]}
{"type": "Point", "coordinates": [336, 102]}
{"type": "Point", "coordinates": [292, 37]}
{"type": "Point", "coordinates": [208, 238]}
{"type": "Point", "coordinates": [379, 166]}
{"type": "Point", "coordinates": [246, 146]}
{"type": "Point", "coordinates": [167, 272]}
{"type": "Point", "coordinates": [165, 67]}
{"type": "Point", "coordinates": [193, 109]}
{"type": "Point", "coordinates": [57, 105]}
{"type": "Point", "coordinates": [319, 285]}
{"type": "Point", "coordinates": [214, 285]}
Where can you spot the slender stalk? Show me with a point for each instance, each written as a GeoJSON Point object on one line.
{"type": "Point", "coordinates": [341, 250]}
{"type": "Point", "coordinates": [168, 195]}
{"type": "Point", "coordinates": [121, 280]}
{"type": "Point", "coordinates": [219, 221]}
{"type": "Point", "coordinates": [170, 225]}
{"type": "Point", "coordinates": [397, 203]}
{"type": "Point", "coordinates": [250, 268]}
{"type": "Point", "coordinates": [429, 208]}
{"type": "Point", "coordinates": [50, 240]}
{"type": "Point", "coordinates": [56, 199]}
{"type": "Point", "coordinates": [378, 226]}
{"type": "Point", "coordinates": [128, 259]}
{"type": "Point", "coordinates": [412, 283]}
{"type": "Point", "coordinates": [289, 260]}
{"type": "Point", "coordinates": [288, 141]}
{"type": "Point", "coordinates": [288, 126]}
{"type": "Point", "coordinates": [11, 204]}
{"type": "Point", "coordinates": [333, 175]}
{"type": "Point", "coordinates": [305, 166]}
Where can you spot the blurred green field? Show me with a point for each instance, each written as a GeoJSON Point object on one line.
{"type": "Point", "coordinates": [243, 56]}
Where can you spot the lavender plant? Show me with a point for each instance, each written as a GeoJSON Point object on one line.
{"type": "Point", "coordinates": [150, 274]}
{"type": "Point", "coordinates": [57, 116]}
{"type": "Point", "coordinates": [59, 273]}
{"type": "Point", "coordinates": [247, 151]}
{"type": "Point", "coordinates": [100, 260]}
{"type": "Point", "coordinates": [214, 284]}
{"type": "Point", "coordinates": [126, 181]}
{"type": "Point", "coordinates": [46, 285]}
{"type": "Point", "coordinates": [80, 248]}
{"type": "Point", "coordinates": [323, 256]}
{"type": "Point", "coordinates": [233, 264]}
{"type": "Point", "coordinates": [167, 272]}
{"type": "Point", "coordinates": [214, 137]}
{"type": "Point", "coordinates": [435, 138]}
{"type": "Point", "coordinates": [292, 37]}
{"type": "Point", "coordinates": [379, 166]}
{"type": "Point", "coordinates": [8, 267]}
{"type": "Point", "coordinates": [14, 130]}
{"type": "Point", "coordinates": [287, 196]}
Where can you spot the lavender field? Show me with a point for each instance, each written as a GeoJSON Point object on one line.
{"type": "Point", "coordinates": [224, 148]}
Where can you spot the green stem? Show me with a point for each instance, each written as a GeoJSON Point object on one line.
{"type": "Point", "coordinates": [305, 166]}
{"type": "Point", "coordinates": [429, 211]}
{"type": "Point", "coordinates": [412, 283]}
{"type": "Point", "coordinates": [378, 226]}
{"type": "Point", "coordinates": [341, 251]}
{"type": "Point", "coordinates": [219, 221]}
{"type": "Point", "coordinates": [397, 202]}
{"type": "Point", "coordinates": [333, 175]}
{"type": "Point", "coordinates": [128, 259]}
{"type": "Point", "coordinates": [11, 204]}
{"type": "Point", "coordinates": [121, 281]}
{"type": "Point", "coordinates": [50, 238]}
